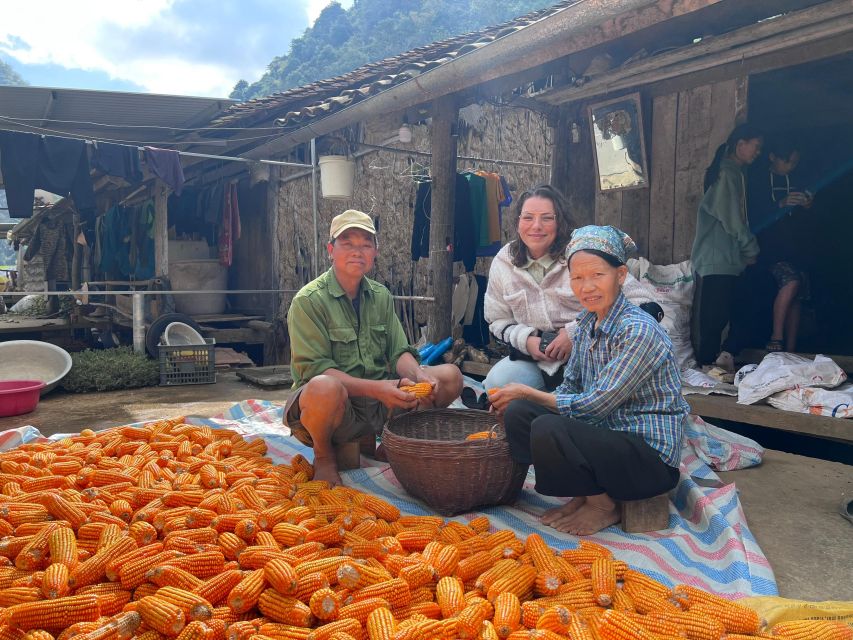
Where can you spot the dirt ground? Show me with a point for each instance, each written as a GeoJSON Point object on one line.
{"type": "Point", "coordinates": [791, 502]}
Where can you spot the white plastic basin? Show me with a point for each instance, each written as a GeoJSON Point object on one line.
{"type": "Point", "coordinates": [34, 360]}
{"type": "Point", "coordinates": [179, 334]}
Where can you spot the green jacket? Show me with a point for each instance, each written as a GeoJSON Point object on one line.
{"type": "Point", "coordinates": [723, 244]}
{"type": "Point", "coordinates": [325, 332]}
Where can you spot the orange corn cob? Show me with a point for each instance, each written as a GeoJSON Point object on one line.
{"type": "Point", "coordinates": [519, 580]}
{"type": "Point", "coordinates": [201, 565]}
{"type": "Point", "coordinates": [358, 576]}
{"type": "Point", "coordinates": [93, 569]}
{"type": "Point", "coordinates": [17, 595]}
{"type": "Point", "coordinates": [417, 575]}
{"type": "Point", "coordinates": [395, 591]}
{"type": "Point", "coordinates": [162, 616]}
{"type": "Point", "coordinates": [615, 625]}
{"type": "Point", "coordinates": [217, 588]}
{"type": "Point", "coordinates": [281, 576]}
{"type": "Point", "coordinates": [195, 630]}
{"type": "Point", "coordinates": [245, 595]}
{"type": "Point", "coordinates": [420, 389]}
{"type": "Point", "coordinates": [736, 618]}
{"type": "Point", "coordinates": [555, 619]}
{"type": "Point", "coordinates": [449, 594]}
{"type": "Point", "coordinates": [143, 532]}
{"type": "Point", "coordinates": [362, 609]}
{"type": "Point", "coordinates": [381, 624]}
{"type": "Point", "coordinates": [603, 575]}
{"type": "Point", "coordinates": [63, 547]}
{"type": "Point", "coordinates": [324, 604]}
{"type": "Point", "coordinates": [481, 435]}
{"type": "Point", "coordinates": [646, 601]}
{"type": "Point", "coordinates": [55, 581]}
{"type": "Point", "coordinates": [507, 614]}
{"type": "Point", "coordinates": [470, 620]}
{"type": "Point", "coordinates": [698, 626]}
{"type": "Point", "coordinates": [52, 614]}
{"type": "Point", "coordinates": [812, 629]}
{"type": "Point", "coordinates": [308, 584]}
{"type": "Point", "coordinates": [193, 605]}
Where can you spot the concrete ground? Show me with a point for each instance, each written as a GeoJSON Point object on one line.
{"type": "Point", "coordinates": [791, 502]}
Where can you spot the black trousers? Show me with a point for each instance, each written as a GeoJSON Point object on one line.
{"type": "Point", "coordinates": [575, 458]}
{"type": "Point", "coordinates": [712, 311]}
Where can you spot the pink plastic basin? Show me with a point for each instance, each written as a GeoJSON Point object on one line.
{"type": "Point", "coordinates": [19, 396]}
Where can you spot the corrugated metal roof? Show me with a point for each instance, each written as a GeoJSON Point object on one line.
{"type": "Point", "coordinates": [38, 109]}
{"type": "Point", "coordinates": [294, 107]}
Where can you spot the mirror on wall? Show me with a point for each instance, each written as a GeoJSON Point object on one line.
{"type": "Point", "coordinates": [618, 144]}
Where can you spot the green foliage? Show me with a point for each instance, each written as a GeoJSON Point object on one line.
{"type": "Point", "coordinates": [110, 369]}
{"type": "Point", "coordinates": [8, 76]}
{"type": "Point", "coordinates": [342, 40]}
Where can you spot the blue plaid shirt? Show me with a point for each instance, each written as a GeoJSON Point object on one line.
{"type": "Point", "coordinates": [622, 375]}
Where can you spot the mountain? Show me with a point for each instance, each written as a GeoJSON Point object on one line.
{"type": "Point", "coordinates": [344, 39]}
{"type": "Point", "coordinates": [9, 77]}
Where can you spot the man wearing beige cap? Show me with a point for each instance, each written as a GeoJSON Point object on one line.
{"type": "Point", "coordinates": [349, 354]}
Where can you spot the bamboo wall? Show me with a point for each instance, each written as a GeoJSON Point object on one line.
{"type": "Point", "coordinates": [384, 191]}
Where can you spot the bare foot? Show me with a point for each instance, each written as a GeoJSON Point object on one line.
{"type": "Point", "coordinates": [326, 468]}
{"type": "Point", "coordinates": [562, 511]}
{"type": "Point", "coordinates": [590, 518]}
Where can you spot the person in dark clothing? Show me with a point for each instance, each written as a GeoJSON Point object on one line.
{"type": "Point", "coordinates": [782, 224]}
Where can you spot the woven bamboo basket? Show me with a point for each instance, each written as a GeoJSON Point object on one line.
{"type": "Point", "coordinates": [430, 457]}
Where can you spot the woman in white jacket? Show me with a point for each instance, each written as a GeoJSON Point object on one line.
{"type": "Point", "coordinates": [529, 293]}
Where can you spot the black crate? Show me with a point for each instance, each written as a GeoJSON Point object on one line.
{"type": "Point", "coordinates": [188, 364]}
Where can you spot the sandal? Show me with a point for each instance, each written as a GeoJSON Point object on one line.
{"type": "Point", "coordinates": [774, 346]}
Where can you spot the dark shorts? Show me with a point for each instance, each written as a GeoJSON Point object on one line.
{"type": "Point", "coordinates": [784, 273]}
{"type": "Point", "coordinates": [362, 416]}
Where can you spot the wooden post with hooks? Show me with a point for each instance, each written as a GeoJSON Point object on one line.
{"type": "Point", "coordinates": [443, 143]}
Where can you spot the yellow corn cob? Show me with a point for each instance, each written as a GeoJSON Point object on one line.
{"type": "Point", "coordinates": [308, 584]}
{"type": "Point", "coordinates": [281, 576]}
{"type": "Point", "coordinates": [555, 619]}
{"type": "Point", "coordinates": [193, 605]}
{"type": "Point", "coordinates": [416, 539]}
{"type": "Point", "coordinates": [143, 532]}
{"type": "Point", "coordinates": [534, 634]}
{"type": "Point", "coordinates": [17, 595]}
{"type": "Point", "coordinates": [647, 601]}
{"type": "Point", "coordinates": [93, 569]}
{"type": "Point", "coordinates": [381, 508]}
{"type": "Point", "coordinates": [63, 547]}
{"type": "Point", "coordinates": [324, 604]}
{"type": "Point", "coordinates": [420, 389]}
{"type": "Point", "coordinates": [381, 624]}
{"type": "Point", "coordinates": [735, 617]}
{"type": "Point", "coordinates": [362, 609]}
{"type": "Point", "coordinates": [417, 575]}
{"type": "Point", "coordinates": [500, 568]}
{"type": "Point", "coordinates": [358, 576]}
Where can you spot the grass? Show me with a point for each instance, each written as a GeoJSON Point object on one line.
{"type": "Point", "coordinates": [109, 370]}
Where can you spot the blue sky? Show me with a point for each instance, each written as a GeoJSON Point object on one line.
{"type": "Point", "coordinates": [182, 47]}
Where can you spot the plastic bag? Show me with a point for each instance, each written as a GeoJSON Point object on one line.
{"type": "Point", "coordinates": [775, 610]}
{"type": "Point", "coordinates": [780, 371]}
{"type": "Point", "coordinates": [835, 403]}
{"type": "Point", "coordinates": [673, 285]}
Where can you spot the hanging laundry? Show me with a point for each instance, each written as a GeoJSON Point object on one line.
{"type": "Point", "coordinates": [230, 230]}
{"type": "Point", "coordinates": [58, 165]}
{"type": "Point", "coordinates": [141, 223]}
{"type": "Point", "coordinates": [464, 232]}
{"type": "Point", "coordinates": [119, 160]}
{"type": "Point", "coordinates": [166, 165]}
{"type": "Point", "coordinates": [53, 240]}
{"type": "Point", "coordinates": [477, 186]}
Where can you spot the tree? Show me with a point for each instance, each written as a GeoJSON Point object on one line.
{"type": "Point", "coordinates": [8, 77]}
{"type": "Point", "coordinates": [342, 40]}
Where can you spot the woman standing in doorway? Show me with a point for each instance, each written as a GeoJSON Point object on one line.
{"type": "Point", "coordinates": [724, 245]}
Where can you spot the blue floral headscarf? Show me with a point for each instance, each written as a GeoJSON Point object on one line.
{"type": "Point", "coordinates": [607, 239]}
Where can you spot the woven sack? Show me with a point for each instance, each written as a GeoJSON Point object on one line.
{"type": "Point", "coordinates": [430, 457]}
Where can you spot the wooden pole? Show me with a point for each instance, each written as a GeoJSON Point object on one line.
{"type": "Point", "coordinates": [443, 143]}
{"type": "Point", "coordinates": [561, 141]}
{"type": "Point", "coordinates": [161, 229]}
{"type": "Point", "coordinates": [581, 180]}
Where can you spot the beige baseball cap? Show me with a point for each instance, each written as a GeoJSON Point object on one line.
{"type": "Point", "coordinates": [351, 219]}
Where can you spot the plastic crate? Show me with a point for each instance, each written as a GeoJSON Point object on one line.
{"type": "Point", "coordinates": [188, 364]}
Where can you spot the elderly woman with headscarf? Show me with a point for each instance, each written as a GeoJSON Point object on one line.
{"type": "Point", "coordinates": [612, 430]}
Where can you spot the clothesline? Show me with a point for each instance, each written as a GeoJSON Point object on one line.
{"type": "Point", "coordinates": [191, 154]}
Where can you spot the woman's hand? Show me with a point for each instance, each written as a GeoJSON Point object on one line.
{"type": "Point", "coordinates": [502, 396]}
{"type": "Point", "coordinates": [561, 347]}
{"type": "Point", "coordinates": [533, 349]}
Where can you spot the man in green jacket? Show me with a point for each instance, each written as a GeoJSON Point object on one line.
{"type": "Point", "coordinates": [349, 354]}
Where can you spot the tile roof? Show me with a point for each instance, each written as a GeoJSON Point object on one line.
{"type": "Point", "coordinates": [294, 107]}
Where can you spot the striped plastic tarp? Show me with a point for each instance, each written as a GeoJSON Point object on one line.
{"type": "Point", "coordinates": [708, 544]}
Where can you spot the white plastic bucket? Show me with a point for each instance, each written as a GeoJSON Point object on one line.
{"type": "Point", "coordinates": [337, 175]}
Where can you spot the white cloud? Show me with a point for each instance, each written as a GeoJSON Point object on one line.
{"type": "Point", "coordinates": [164, 46]}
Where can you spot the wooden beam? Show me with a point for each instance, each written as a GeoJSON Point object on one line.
{"type": "Point", "coordinates": [823, 21]}
{"type": "Point", "coordinates": [561, 144]}
{"type": "Point", "coordinates": [443, 145]}
{"type": "Point", "coordinates": [727, 408]}
{"type": "Point", "coordinates": [161, 229]}
{"type": "Point", "coordinates": [273, 210]}
{"type": "Point", "coordinates": [581, 185]}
